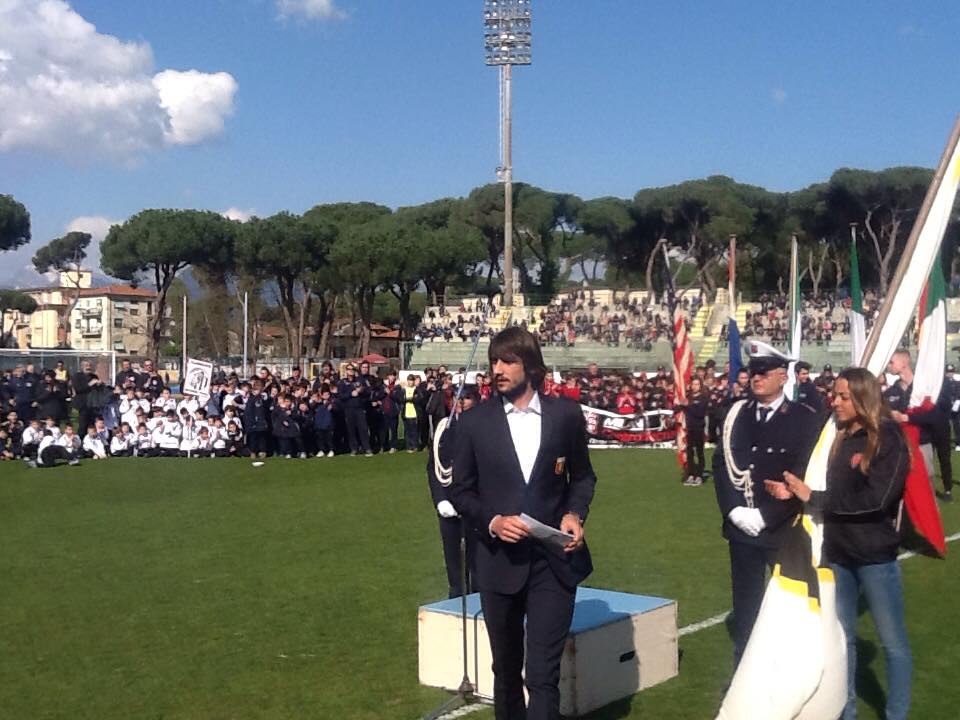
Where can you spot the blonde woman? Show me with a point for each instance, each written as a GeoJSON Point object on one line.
{"type": "Point", "coordinates": [865, 481]}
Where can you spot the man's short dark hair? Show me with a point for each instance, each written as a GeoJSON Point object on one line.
{"type": "Point", "coordinates": [514, 344]}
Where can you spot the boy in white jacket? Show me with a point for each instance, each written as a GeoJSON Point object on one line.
{"type": "Point", "coordinates": [122, 442]}
{"type": "Point", "coordinates": [167, 435]}
{"type": "Point", "coordinates": [93, 447]}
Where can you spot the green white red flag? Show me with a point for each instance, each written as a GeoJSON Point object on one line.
{"type": "Point", "coordinates": [932, 341]}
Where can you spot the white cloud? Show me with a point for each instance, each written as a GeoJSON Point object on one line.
{"type": "Point", "coordinates": [196, 104]}
{"type": "Point", "coordinates": [240, 214]}
{"type": "Point", "coordinates": [67, 89]}
{"type": "Point", "coordinates": [310, 9]}
{"type": "Point", "coordinates": [779, 95]}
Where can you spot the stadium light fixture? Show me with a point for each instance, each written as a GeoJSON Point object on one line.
{"type": "Point", "coordinates": [507, 41]}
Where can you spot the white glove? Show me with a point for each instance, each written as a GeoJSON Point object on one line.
{"type": "Point", "coordinates": [749, 520]}
{"type": "Point", "coordinates": [445, 509]}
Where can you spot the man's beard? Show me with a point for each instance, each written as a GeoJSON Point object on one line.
{"type": "Point", "coordinates": [516, 391]}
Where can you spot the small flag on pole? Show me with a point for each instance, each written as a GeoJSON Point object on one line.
{"type": "Point", "coordinates": [733, 331]}
{"type": "Point", "coordinates": [858, 325]}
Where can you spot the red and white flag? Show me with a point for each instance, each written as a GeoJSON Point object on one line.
{"type": "Point", "coordinates": [682, 372]}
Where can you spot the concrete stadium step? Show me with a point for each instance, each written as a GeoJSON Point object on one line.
{"type": "Point", "coordinates": [701, 321]}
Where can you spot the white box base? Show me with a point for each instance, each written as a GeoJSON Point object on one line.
{"type": "Point", "coordinates": [618, 645]}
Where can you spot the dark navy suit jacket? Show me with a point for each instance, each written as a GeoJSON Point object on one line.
{"type": "Point", "coordinates": [784, 442]}
{"type": "Point", "coordinates": [488, 481]}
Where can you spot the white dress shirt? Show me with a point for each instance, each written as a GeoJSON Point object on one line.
{"type": "Point", "coordinates": [774, 406]}
{"type": "Point", "coordinates": [525, 432]}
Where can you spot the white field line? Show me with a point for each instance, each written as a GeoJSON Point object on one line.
{"type": "Point", "coordinates": [717, 619]}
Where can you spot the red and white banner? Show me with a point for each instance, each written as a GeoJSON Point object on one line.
{"type": "Point", "coordinates": [608, 429]}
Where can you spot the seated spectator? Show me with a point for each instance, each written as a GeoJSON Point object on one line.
{"type": "Point", "coordinates": [93, 445]}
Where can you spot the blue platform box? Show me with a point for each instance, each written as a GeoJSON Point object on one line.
{"type": "Point", "coordinates": [618, 645]}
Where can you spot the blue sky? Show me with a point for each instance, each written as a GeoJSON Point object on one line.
{"type": "Point", "coordinates": [389, 100]}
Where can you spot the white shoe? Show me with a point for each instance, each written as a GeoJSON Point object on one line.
{"type": "Point", "coordinates": [288, 457]}
{"type": "Point", "coordinates": [302, 455]}
{"type": "Point", "coordinates": [330, 454]}
{"type": "Point", "coordinates": [368, 454]}
{"type": "Point", "coordinates": [392, 450]}
{"type": "Point", "coordinates": [321, 454]}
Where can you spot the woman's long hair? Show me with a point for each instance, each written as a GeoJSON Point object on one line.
{"type": "Point", "coordinates": [868, 404]}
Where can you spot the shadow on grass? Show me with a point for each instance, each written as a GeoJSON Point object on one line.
{"type": "Point", "coordinates": [869, 688]}
{"type": "Point", "coordinates": [614, 711]}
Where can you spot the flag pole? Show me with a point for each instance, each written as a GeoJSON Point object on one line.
{"type": "Point", "coordinates": [732, 284]}
{"type": "Point", "coordinates": [905, 259]}
{"type": "Point", "coordinates": [794, 310]}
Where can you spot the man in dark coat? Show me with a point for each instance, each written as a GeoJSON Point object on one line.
{"type": "Point", "coordinates": [524, 453]}
{"type": "Point", "coordinates": [353, 395]}
{"type": "Point", "coordinates": [762, 437]}
{"type": "Point", "coordinates": [932, 421]}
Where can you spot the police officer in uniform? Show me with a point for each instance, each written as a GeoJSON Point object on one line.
{"type": "Point", "coordinates": [762, 437]}
{"type": "Point", "coordinates": [451, 526]}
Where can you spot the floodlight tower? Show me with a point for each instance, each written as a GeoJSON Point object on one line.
{"type": "Point", "coordinates": [507, 42]}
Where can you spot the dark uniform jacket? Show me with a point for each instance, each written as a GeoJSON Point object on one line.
{"type": "Point", "coordinates": [933, 422]}
{"type": "Point", "coordinates": [488, 481]}
{"type": "Point", "coordinates": [784, 442]}
{"type": "Point", "coordinates": [807, 394]}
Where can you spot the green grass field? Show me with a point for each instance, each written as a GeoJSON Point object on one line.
{"type": "Point", "coordinates": [211, 589]}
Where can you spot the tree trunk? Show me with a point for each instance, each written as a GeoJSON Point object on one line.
{"type": "Point", "coordinates": [326, 330]}
{"type": "Point", "coordinates": [305, 304]}
{"type": "Point", "coordinates": [213, 335]}
{"type": "Point", "coordinates": [838, 271]}
{"type": "Point", "coordinates": [816, 275]}
{"type": "Point", "coordinates": [650, 262]}
{"type": "Point", "coordinates": [164, 279]}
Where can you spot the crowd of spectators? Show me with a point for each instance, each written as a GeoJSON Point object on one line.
{"type": "Point", "coordinates": [821, 318]}
{"type": "Point", "coordinates": [579, 316]}
{"type": "Point", "coordinates": [569, 317]}
{"type": "Point", "coordinates": [360, 413]}
{"type": "Point", "coordinates": [462, 323]}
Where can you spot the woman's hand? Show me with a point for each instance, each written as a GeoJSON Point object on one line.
{"type": "Point", "coordinates": [797, 486]}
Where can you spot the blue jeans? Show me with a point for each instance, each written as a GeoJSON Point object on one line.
{"type": "Point", "coordinates": [884, 592]}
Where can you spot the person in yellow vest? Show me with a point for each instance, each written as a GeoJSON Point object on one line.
{"type": "Point", "coordinates": [411, 431]}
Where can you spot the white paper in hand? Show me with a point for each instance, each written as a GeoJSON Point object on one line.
{"type": "Point", "coordinates": [550, 536]}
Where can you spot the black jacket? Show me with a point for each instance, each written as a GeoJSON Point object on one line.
{"type": "Point", "coordinates": [488, 481]}
{"type": "Point", "coordinates": [860, 510]}
{"type": "Point", "coordinates": [932, 422]}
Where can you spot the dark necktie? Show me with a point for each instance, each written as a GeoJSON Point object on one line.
{"type": "Point", "coordinates": [764, 413]}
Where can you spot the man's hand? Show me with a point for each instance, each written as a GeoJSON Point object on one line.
{"type": "Point", "coordinates": [778, 489]}
{"type": "Point", "coordinates": [445, 509]}
{"type": "Point", "coordinates": [899, 416]}
{"type": "Point", "coordinates": [572, 525]}
{"type": "Point", "coordinates": [509, 528]}
{"type": "Point", "coordinates": [747, 519]}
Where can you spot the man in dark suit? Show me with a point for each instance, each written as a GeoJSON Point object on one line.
{"type": "Point", "coordinates": [524, 453]}
{"type": "Point", "coordinates": [761, 438]}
